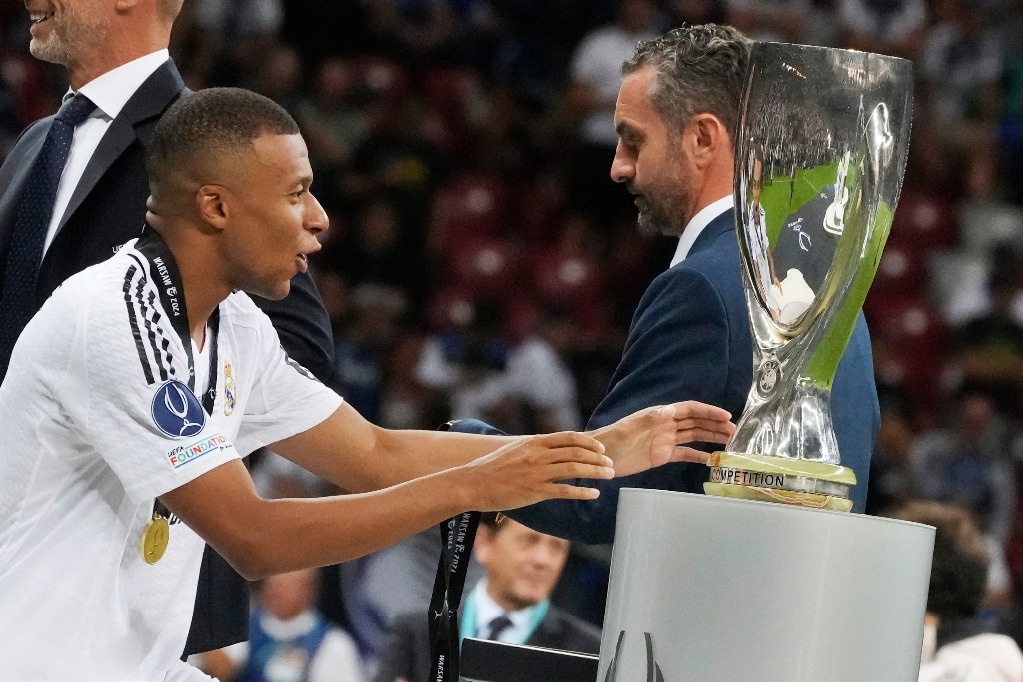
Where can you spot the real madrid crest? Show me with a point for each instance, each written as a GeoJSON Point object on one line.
{"type": "Point", "coordinates": [228, 390]}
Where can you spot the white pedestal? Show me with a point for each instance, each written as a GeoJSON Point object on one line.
{"type": "Point", "coordinates": [709, 589]}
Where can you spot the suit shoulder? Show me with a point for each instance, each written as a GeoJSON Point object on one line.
{"type": "Point", "coordinates": [575, 633]}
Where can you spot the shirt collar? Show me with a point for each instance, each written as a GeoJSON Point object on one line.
{"type": "Point", "coordinates": [111, 91]}
{"type": "Point", "coordinates": [701, 220]}
{"type": "Point", "coordinates": [487, 610]}
{"type": "Point", "coordinates": [287, 629]}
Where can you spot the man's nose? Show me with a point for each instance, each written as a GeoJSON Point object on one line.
{"type": "Point", "coordinates": [622, 169]}
{"type": "Point", "coordinates": [316, 220]}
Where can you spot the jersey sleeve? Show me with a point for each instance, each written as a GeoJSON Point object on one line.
{"type": "Point", "coordinates": [124, 390]}
{"type": "Point", "coordinates": [286, 399]}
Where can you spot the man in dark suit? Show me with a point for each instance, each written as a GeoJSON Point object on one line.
{"type": "Point", "coordinates": [510, 604]}
{"type": "Point", "coordinates": [69, 200]}
{"type": "Point", "coordinates": [676, 118]}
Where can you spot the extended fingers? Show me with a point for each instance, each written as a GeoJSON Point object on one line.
{"type": "Point", "coordinates": [704, 433]}
{"type": "Point", "coordinates": [563, 471]}
{"type": "Point", "coordinates": [565, 491]}
{"type": "Point", "coordinates": [570, 439]}
{"type": "Point", "coordinates": [698, 410]}
{"type": "Point", "coordinates": [686, 454]}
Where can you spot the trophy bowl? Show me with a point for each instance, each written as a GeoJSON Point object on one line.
{"type": "Point", "coordinates": [820, 154]}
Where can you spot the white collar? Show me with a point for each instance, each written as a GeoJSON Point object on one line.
{"type": "Point", "coordinates": [292, 628]}
{"type": "Point", "coordinates": [701, 220]}
{"type": "Point", "coordinates": [487, 610]}
{"type": "Point", "coordinates": [111, 91]}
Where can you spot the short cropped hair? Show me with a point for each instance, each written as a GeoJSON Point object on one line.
{"type": "Point", "coordinates": [208, 123]}
{"type": "Point", "coordinates": [700, 69]}
{"type": "Point", "coordinates": [960, 565]}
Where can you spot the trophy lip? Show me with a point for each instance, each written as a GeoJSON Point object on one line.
{"type": "Point", "coordinates": [822, 48]}
{"type": "Point", "coordinates": [703, 498]}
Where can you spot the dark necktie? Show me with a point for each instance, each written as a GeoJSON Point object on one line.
{"type": "Point", "coordinates": [31, 220]}
{"type": "Point", "coordinates": [497, 626]}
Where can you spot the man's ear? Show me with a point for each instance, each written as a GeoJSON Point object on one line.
{"type": "Point", "coordinates": [706, 137]}
{"type": "Point", "coordinates": [212, 203]}
{"type": "Point", "coordinates": [125, 5]}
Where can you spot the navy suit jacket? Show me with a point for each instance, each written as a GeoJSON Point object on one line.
{"type": "Point", "coordinates": [407, 653]}
{"type": "Point", "coordinates": [108, 208]}
{"type": "Point", "coordinates": [690, 340]}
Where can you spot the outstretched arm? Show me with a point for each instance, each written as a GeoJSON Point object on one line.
{"type": "Point", "coordinates": [359, 456]}
{"type": "Point", "coordinates": [262, 537]}
{"type": "Point", "coordinates": [677, 350]}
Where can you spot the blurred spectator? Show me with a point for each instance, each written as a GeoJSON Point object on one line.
{"type": "Point", "coordinates": [968, 464]}
{"type": "Point", "coordinates": [772, 20]}
{"type": "Point", "coordinates": [510, 604]}
{"type": "Point", "coordinates": [334, 120]}
{"type": "Point", "coordinates": [236, 34]}
{"type": "Point", "coordinates": [538, 376]}
{"type": "Point", "coordinates": [361, 344]}
{"type": "Point", "coordinates": [895, 27]}
{"type": "Point", "coordinates": [378, 254]}
{"type": "Point", "coordinates": [412, 29]}
{"type": "Point", "coordinates": [961, 63]}
{"type": "Point", "coordinates": [891, 472]}
{"type": "Point", "coordinates": [384, 585]}
{"type": "Point", "coordinates": [401, 159]}
{"type": "Point", "coordinates": [289, 640]}
{"type": "Point", "coordinates": [989, 348]}
{"type": "Point", "coordinates": [958, 644]}
{"type": "Point", "coordinates": [468, 364]}
{"type": "Point", "coordinates": [228, 19]}
{"type": "Point", "coordinates": [596, 74]}
{"type": "Point", "coordinates": [279, 77]}
{"type": "Point", "coordinates": [696, 12]}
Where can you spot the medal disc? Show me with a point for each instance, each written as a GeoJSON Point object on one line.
{"type": "Point", "coordinates": [155, 538]}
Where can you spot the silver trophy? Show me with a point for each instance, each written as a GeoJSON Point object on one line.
{"type": "Point", "coordinates": [820, 154]}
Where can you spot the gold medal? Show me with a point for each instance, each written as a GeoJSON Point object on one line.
{"type": "Point", "coordinates": [155, 538]}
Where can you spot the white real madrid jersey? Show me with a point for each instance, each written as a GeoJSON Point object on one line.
{"type": "Point", "coordinates": [99, 420]}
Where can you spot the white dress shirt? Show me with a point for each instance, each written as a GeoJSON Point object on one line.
{"type": "Point", "coordinates": [487, 610]}
{"type": "Point", "coordinates": [695, 226]}
{"type": "Point", "coordinates": [109, 92]}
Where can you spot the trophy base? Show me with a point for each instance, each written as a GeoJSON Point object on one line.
{"type": "Point", "coordinates": [763, 478]}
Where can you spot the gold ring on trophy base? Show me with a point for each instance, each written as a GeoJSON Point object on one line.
{"type": "Point", "coordinates": [789, 482]}
{"type": "Point", "coordinates": [796, 499]}
{"type": "Point", "coordinates": [786, 466]}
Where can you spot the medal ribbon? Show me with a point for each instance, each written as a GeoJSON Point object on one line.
{"type": "Point", "coordinates": [457, 536]}
{"type": "Point", "coordinates": [164, 272]}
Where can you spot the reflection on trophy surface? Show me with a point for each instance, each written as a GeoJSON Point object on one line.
{"type": "Point", "coordinates": [820, 154]}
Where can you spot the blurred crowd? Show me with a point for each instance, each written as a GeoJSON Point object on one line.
{"type": "Point", "coordinates": [481, 263]}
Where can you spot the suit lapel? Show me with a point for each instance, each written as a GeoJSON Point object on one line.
{"type": "Point", "coordinates": [146, 105]}
{"type": "Point", "coordinates": [548, 633]}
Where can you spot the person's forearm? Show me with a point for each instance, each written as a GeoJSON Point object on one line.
{"type": "Point", "coordinates": [277, 536]}
{"type": "Point", "coordinates": [358, 456]}
{"type": "Point", "coordinates": [420, 453]}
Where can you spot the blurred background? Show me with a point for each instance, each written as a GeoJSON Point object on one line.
{"type": "Point", "coordinates": [481, 263]}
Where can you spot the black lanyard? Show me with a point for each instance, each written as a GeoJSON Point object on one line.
{"type": "Point", "coordinates": [457, 536]}
{"type": "Point", "coordinates": [165, 274]}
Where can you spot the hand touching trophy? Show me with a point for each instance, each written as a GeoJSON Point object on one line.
{"type": "Point", "coordinates": [820, 155]}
